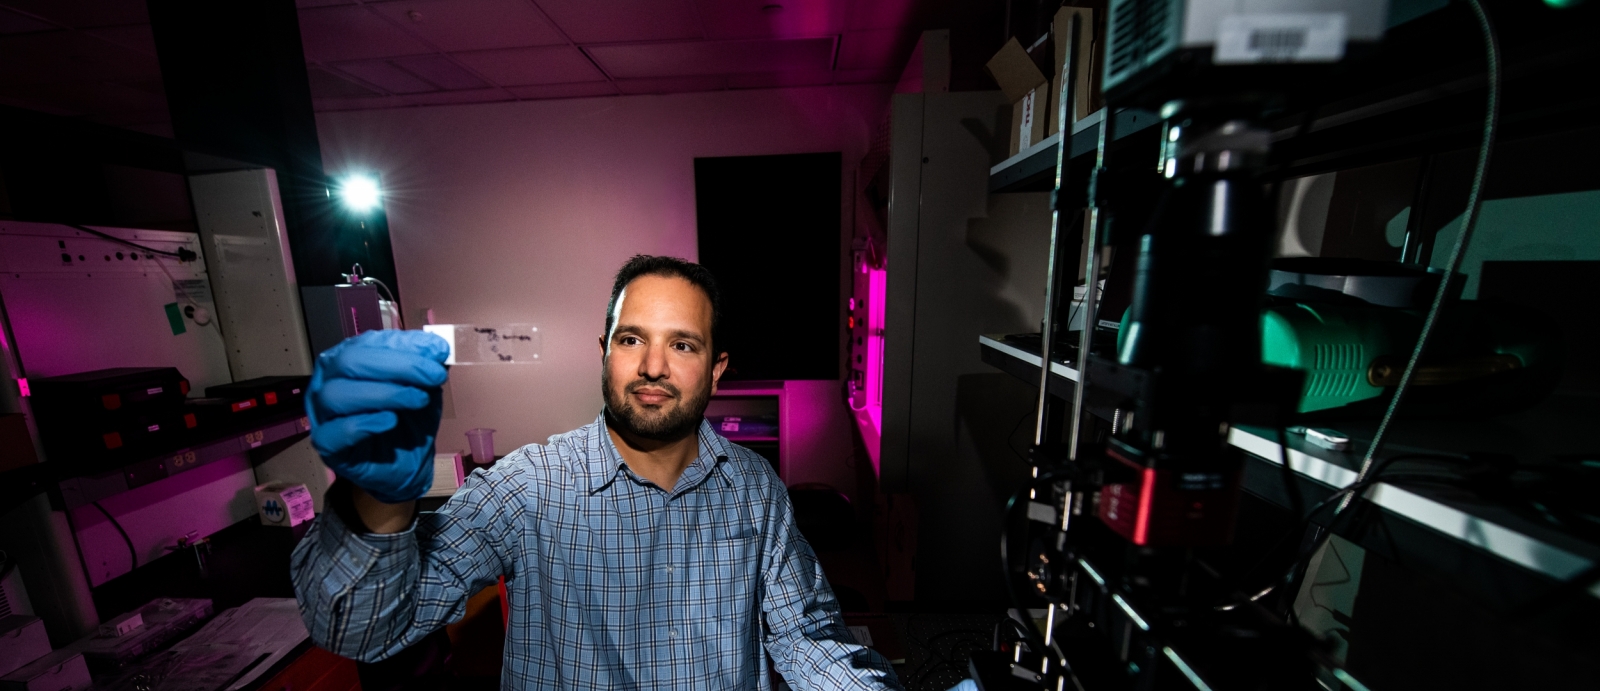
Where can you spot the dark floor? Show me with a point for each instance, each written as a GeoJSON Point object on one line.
{"type": "Point", "coordinates": [937, 645]}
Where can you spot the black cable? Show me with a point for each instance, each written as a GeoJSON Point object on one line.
{"type": "Point", "coordinates": [1469, 222]}
{"type": "Point", "coordinates": [1035, 641]}
{"type": "Point", "coordinates": [1311, 513]}
{"type": "Point", "coordinates": [1020, 455]}
{"type": "Point", "coordinates": [1297, 501]}
{"type": "Point", "coordinates": [1345, 496]}
{"type": "Point", "coordinates": [182, 254]}
{"type": "Point", "coordinates": [133, 553]}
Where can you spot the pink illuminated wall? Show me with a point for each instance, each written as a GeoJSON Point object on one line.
{"type": "Point", "coordinates": [867, 393]}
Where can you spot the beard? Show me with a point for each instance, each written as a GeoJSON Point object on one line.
{"type": "Point", "coordinates": [672, 421]}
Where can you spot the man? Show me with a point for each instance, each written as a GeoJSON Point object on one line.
{"type": "Point", "coordinates": [642, 551]}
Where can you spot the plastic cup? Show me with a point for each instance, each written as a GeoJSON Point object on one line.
{"type": "Point", "coordinates": [480, 442]}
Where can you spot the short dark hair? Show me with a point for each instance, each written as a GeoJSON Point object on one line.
{"type": "Point", "coordinates": [673, 267]}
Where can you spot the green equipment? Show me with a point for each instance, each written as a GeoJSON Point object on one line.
{"type": "Point", "coordinates": [1488, 358]}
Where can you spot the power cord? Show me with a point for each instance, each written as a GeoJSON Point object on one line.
{"type": "Point", "coordinates": [133, 554]}
{"type": "Point", "coordinates": [356, 278]}
{"type": "Point", "coordinates": [1347, 495]}
{"type": "Point", "coordinates": [1034, 640]}
{"type": "Point", "coordinates": [1291, 486]}
{"type": "Point", "coordinates": [184, 255]}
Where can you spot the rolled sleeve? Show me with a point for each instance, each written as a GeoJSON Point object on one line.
{"type": "Point", "coordinates": [369, 596]}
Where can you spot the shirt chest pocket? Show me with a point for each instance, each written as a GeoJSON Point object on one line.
{"type": "Point", "coordinates": [729, 552]}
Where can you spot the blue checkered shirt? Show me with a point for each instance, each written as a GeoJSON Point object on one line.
{"type": "Point", "coordinates": [613, 582]}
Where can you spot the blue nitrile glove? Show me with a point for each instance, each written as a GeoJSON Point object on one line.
{"type": "Point", "coordinates": [965, 685]}
{"type": "Point", "coordinates": [374, 403]}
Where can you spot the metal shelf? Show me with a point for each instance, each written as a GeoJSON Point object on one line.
{"type": "Point", "coordinates": [79, 488]}
{"type": "Point", "coordinates": [1462, 518]}
{"type": "Point", "coordinates": [1034, 169]}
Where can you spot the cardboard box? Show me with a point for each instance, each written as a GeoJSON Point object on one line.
{"type": "Point", "coordinates": [63, 670]}
{"type": "Point", "coordinates": [1086, 64]}
{"type": "Point", "coordinates": [448, 474]}
{"type": "Point", "coordinates": [22, 640]}
{"type": "Point", "coordinates": [165, 620]}
{"type": "Point", "coordinates": [284, 504]}
{"type": "Point", "coordinates": [1028, 91]}
{"type": "Point", "coordinates": [1030, 118]}
{"type": "Point", "coordinates": [122, 625]}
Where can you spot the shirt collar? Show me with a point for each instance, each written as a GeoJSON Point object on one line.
{"type": "Point", "coordinates": [605, 463]}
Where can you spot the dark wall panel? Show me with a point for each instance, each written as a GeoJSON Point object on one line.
{"type": "Point", "coordinates": [769, 230]}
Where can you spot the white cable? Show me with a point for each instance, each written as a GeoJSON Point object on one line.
{"type": "Point", "coordinates": [1469, 222]}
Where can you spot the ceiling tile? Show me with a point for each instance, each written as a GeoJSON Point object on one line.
{"type": "Point", "coordinates": [876, 48]}
{"type": "Point", "coordinates": [487, 95]}
{"type": "Point", "coordinates": [80, 14]}
{"type": "Point", "coordinates": [616, 21]}
{"type": "Point", "coordinates": [385, 76]}
{"type": "Point", "coordinates": [714, 57]}
{"type": "Point", "coordinates": [522, 66]}
{"type": "Point", "coordinates": [13, 23]}
{"type": "Point", "coordinates": [882, 14]}
{"type": "Point", "coordinates": [325, 84]}
{"type": "Point", "coordinates": [334, 34]}
{"type": "Point", "coordinates": [67, 56]}
{"type": "Point", "coordinates": [452, 25]}
{"type": "Point", "coordinates": [792, 18]}
{"type": "Point", "coordinates": [134, 37]}
{"type": "Point", "coordinates": [769, 80]}
{"type": "Point", "coordinates": [671, 85]}
{"type": "Point", "coordinates": [578, 90]}
{"type": "Point", "coordinates": [440, 70]}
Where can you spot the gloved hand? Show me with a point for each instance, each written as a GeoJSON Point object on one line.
{"type": "Point", "coordinates": [965, 685]}
{"type": "Point", "coordinates": [374, 402]}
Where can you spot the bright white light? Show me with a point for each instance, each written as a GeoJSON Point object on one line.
{"type": "Point", "coordinates": [360, 192]}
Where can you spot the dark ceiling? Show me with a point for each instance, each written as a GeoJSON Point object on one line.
{"type": "Point", "coordinates": [96, 59]}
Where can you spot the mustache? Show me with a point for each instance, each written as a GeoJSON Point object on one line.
{"type": "Point", "coordinates": [637, 384]}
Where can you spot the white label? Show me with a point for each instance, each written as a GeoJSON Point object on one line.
{"type": "Point", "coordinates": [1286, 37]}
{"type": "Point", "coordinates": [1025, 136]}
{"type": "Point", "coordinates": [1043, 513]}
{"type": "Point", "coordinates": [152, 392]}
{"type": "Point", "coordinates": [153, 428]}
{"type": "Point", "coordinates": [192, 290]}
{"type": "Point", "coordinates": [862, 634]}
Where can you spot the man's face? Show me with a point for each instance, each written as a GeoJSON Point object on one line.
{"type": "Point", "coordinates": [659, 369]}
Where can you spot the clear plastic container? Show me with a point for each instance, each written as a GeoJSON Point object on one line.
{"type": "Point", "coordinates": [480, 442]}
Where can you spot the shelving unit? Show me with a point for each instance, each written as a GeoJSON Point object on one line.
{"type": "Point", "coordinates": [1465, 523]}
{"type": "Point", "coordinates": [84, 483]}
{"type": "Point", "coordinates": [753, 399]}
{"type": "Point", "coordinates": [1034, 169]}
{"type": "Point", "coordinates": [1470, 579]}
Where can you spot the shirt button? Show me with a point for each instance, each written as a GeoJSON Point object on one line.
{"type": "Point", "coordinates": [669, 570]}
{"type": "Point", "coordinates": [672, 633]}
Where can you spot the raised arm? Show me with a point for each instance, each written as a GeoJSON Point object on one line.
{"type": "Point", "coordinates": [808, 641]}
{"type": "Point", "coordinates": [370, 579]}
